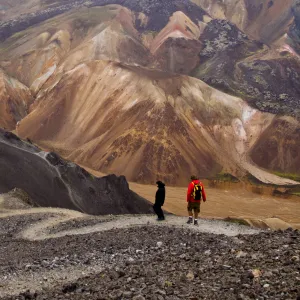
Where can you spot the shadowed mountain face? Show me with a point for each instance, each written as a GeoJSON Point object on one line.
{"type": "Point", "coordinates": [118, 86]}
{"type": "Point", "coordinates": [51, 181]}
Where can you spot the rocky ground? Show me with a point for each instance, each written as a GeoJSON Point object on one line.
{"type": "Point", "coordinates": [69, 256]}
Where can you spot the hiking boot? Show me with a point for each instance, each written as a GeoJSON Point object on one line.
{"type": "Point", "coordinates": [190, 221]}
{"type": "Point", "coordinates": [196, 222]}
{"type": "Point", "coordinates": [160, 219]}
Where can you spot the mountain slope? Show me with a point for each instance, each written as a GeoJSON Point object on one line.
{"type": "Point", "coordinates": [119, 87]}
{"type": "Point", "coordinates": [51, 181]}
{"type": "Point", "coordinates": [144, 124]}
{"type": "Point", "coordinates": [15, 100]}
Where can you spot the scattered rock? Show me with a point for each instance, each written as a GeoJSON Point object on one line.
{"type": "Point", "coordinates": [138, 297]}
{"type": "Point", "coordinates": [241, 254]}
{"type": "Point", "coordinates": [190, 276]}
{"type": "Point", "coordinates": [159, 244]}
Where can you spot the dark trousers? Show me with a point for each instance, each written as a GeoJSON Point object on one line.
{"type": "Point", "coordinates": [157, 209]}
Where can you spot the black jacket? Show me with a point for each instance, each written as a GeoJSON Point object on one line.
{"type": "Point", "coordinates": [160, 195]}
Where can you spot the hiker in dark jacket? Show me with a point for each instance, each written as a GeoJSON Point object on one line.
{"type": "Point", "coordinates": [159, 201]}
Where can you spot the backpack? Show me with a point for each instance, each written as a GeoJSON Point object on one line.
{"type": "Point", "coordinates": [197, 192]}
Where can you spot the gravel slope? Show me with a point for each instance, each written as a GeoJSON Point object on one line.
{"type": "Point", "coordinates": [60, 254]}
{"type": "Point", "coordinates": [152, 262]}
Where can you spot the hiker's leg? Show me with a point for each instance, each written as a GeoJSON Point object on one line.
{"type": "Point", "coordinates": [161, 213]}
{"type": "Point", "coordinates": [190, 209]}
{"type": "Point", "coordinates": [196, 211]}
{"type": "Point", "coordinates": [155, 209]}
{"type": "Point", "coordinates": [190, 212]}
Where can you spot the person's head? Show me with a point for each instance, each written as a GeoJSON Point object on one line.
{"type": "Point", "coordinates": [160, 183]}
{"type": "Point", "coordinates": [194, 177]}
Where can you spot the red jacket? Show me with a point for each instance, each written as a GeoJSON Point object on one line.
{"type": "Point", "coordinates": [189, 197]}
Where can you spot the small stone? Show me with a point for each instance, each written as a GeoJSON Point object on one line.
{"type": "Point", "coordinates": [207, 252]}
{"type": "Point", "coordinates": [241, 254]}
{"type": "Point", "coordinates": [226, 267]}
{"type": "Point", "coordinates": [150, 273]}
{"type": "Point", "coordinates": [127, 294]}
{"type": "Point", "coordinates": [114, 275]}
{"type": "Point", "coordinates": [130, 261]}
{"type": "Point", "coordinates": [266, 285]}
{"type": "Point", "coordinates": [161, 292]}
{"type": "Point", "coordinates": [268, 274]}
{"type": "Point", "coordinates": [138, 297]}
{"type": "Point", "coordinates": [190, 276]}
{"type": "Point", "coordinates": [121, 272]}
{"type": "Point", "coordinates": [45, 263]}
{"type": "Point", "coordinates": [256, 273]}
{"type": "Point", "coordinates": [159, 244]}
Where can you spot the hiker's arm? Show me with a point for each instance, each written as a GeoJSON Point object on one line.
{"type": "Point", "coordinates": [203, 194]}
{"type": "Point", "coordinates": [163, 197]}
{"type": "Point", "coordinates": [189, 191]}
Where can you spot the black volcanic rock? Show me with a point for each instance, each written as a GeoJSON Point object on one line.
{"type": "Point", "coordinates": [52, 182]}
{"type": "Point", "coordinates": [157, 11]}
{"type": "Point", "coordinates": [187, 265]}
{"type": "Point", "coordinates": [228, 63]}
{"type": "Point", "coordinates": [294, 32]}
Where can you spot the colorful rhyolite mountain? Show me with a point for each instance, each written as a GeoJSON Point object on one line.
{"type": "Point", "coordinates": [156, 89]}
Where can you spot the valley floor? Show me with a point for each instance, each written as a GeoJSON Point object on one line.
{"type": "Point", "coordinates": [62, 254]}
{"type": "Point", "coordinates": [259, 210]}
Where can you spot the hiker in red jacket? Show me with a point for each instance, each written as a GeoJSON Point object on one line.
{"type": "Point", "coordinates": [195, 194]}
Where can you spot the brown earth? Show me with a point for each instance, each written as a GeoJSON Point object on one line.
{"type": "Point", "coordinates": [255, 204]}
{"type": "Point", "coordinates": [232, 202]}
{"type": "Point", "coordinates": [161, 129]}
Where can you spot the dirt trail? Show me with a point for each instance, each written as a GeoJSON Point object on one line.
{"type": "Point", "coordinates": [39, 231]}
{"type": "Point", "coordinates": [42, 230]}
